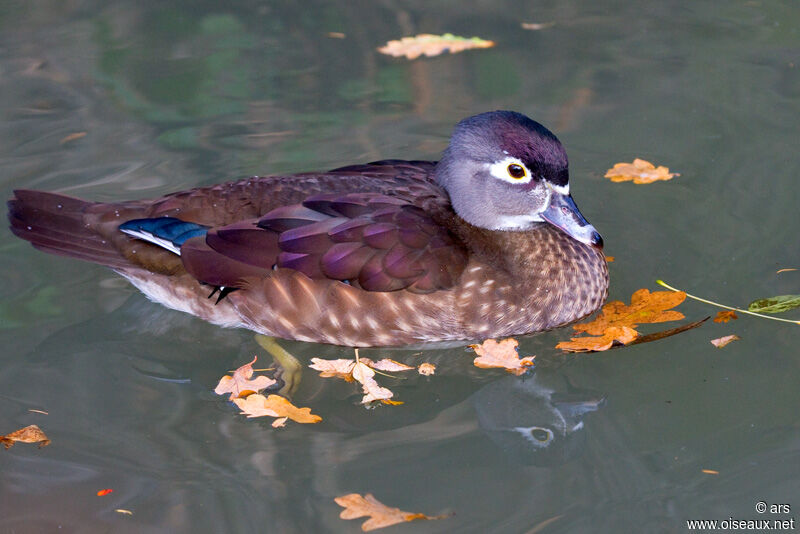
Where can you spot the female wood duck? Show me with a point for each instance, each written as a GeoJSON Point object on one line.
{"type": "Point", "coordinates": [485, 243]}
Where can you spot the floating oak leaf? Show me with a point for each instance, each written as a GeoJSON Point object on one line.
{"type": "Point", "coordinates": [29, 434]}
{"type": "Point", "coordinates": [431, 45]}
{"type": "Point", "coordinates": [645, 307]}
{"type": "Point", "coordinates": [722, 341]}
{"type": "Point", "coordinates": [426, 369]}
{"type": "Point", "coordinates": [379, 514]}
{"type": "Point", "coordinates": [501, 354]}
{"type": "Point", "coordinates": [240, 385]}
{"type": "Point", "coordinates": [777, 304]}
{"type": "Point", "coordinates": [725, 315]}
{"type": "Point", "coordinates": [640, 171]}
{"type": "Point", "coordinates": [256, 405]}
{"type": "Point", "coordinates": [623, 334]}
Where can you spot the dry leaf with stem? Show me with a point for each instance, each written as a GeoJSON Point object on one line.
{"type": "Point", "coordinates": [724, 340]}
{"type": "Point", "coordinates": [640, 171]}
{"type": "Point", "coordinates": [29, 434]}
{"type": "Point", "coordinates": [618, 321]}
{"type": "Point", "coordinates": [431, 45]}
{"type": "Point", "coordinates": [240, 384]}
{"type": "Point", "coordinates": [372, 391]}
{"type": "Point", "coordinates": [256, 405]}
{"type": "Point", "coordinates": [379, 514]}
{"type": "Point", "coordinates": [645, 308]}
{"type": "Point", "coordinates": [724, 316]}
{"type": "Point", "coordinates": [501, 354]}
{"type": "Point", "coordinates": [362, 370]}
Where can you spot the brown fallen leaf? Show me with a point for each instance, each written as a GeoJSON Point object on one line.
{"type": "Point", "coordinates": [29, 434]}
{"type": "Point", "coordinates": [640, 171]}
{"type": "Point", "coordinates": [645, 307]}
{"type": "Point", "coordinates": [426, 369]}
{"type": "Point", "coordinates": [123, 511]}
{"type": "Point", "coordinates": [336, 35]}
{"type": "Point", "coordinates": [240, 385]}
{"type": "Point", "coordinates": [779, 271]}
{"type": "Point", "coordinates": [379, 514]}
{"type": "Point", "coordinates": [710, 471]}
{"type": "Point", "coordinates": [623, 334]}
{"type": "Point", "coordinates": [725, 315]}
{"type": "Point", "coordinates": [256, 405]}
{"type": "Point", "coordinates": [501, 354]}
{"type": "Point", "coordinates": [610, 259]}
{"type": "Point", "coordinates": [618, 322]}
{"type": "Point", "coordinates": [724, 340]}
{"type": "Point", "coordinates": [431, 45]}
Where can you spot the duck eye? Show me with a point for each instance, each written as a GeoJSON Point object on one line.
{"type": "Point", "coordinates": [516, 171]}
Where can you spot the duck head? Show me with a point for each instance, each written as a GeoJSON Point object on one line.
{"type": "Point", "coordinates": [504, 171]}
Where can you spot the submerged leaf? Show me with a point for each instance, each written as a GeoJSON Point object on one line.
{"type": "Point", "coordinates": [29, 434]}
{"type": "Point", "coordinates": [777, 304]}
{"type": "Point", "coordinates": [725, 315]}
{"type": "Point", "coordinates": [501, 354]}
{"type": "Point", "coordinates": [379, 514]}
{"type": "Point", "coordinates": [431, 45]}
{"type": "Point", "coordinates": [722, 341]}
{"type": "Point", "coordinates": [640, 171]}
{"type": "Point", "coordinates": [275, 406]}
{"type": "Point", "coordinates": [240, 385]}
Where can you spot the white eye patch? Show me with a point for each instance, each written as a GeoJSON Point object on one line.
{"type": "Point", "coordinates": [501, 171]}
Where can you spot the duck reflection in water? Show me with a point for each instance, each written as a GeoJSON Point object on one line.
{"type": "Point", "coordinates": [533, 423]}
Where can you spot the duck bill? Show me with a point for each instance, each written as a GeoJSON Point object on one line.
{"type": "Point", "coordinates": [565, 215]}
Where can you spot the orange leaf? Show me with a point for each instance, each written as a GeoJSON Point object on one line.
{"type": "Point", "coordinates": [503, 354]}
{"type": "Point", "coordinates": [725, 315]}
{"type": "Point", "coordinates": [623, 334]}
{"type": "Point", "coordinates": [431, 45]}
{"type": "Point", "coordinates": [240, 385]}
{"type": "Point", "coordinates": [645, 307]}
{"type": "Point", "coordinates": [29, 434]}
{"type": "Point", "coordinates": [379, 514]}
{"type": "Point", "coordinates": [724, 340]}
{"type": "Point", "coordinates": [104, 492]}
{"type": "Point", "coordinates": [610, 259]}
{"type": "Point", "coordinates": [426, 369]}
{"type": "Point", "coordinates": [275, 406]}
{"type": "Point", "coordinates": [640, 171]}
